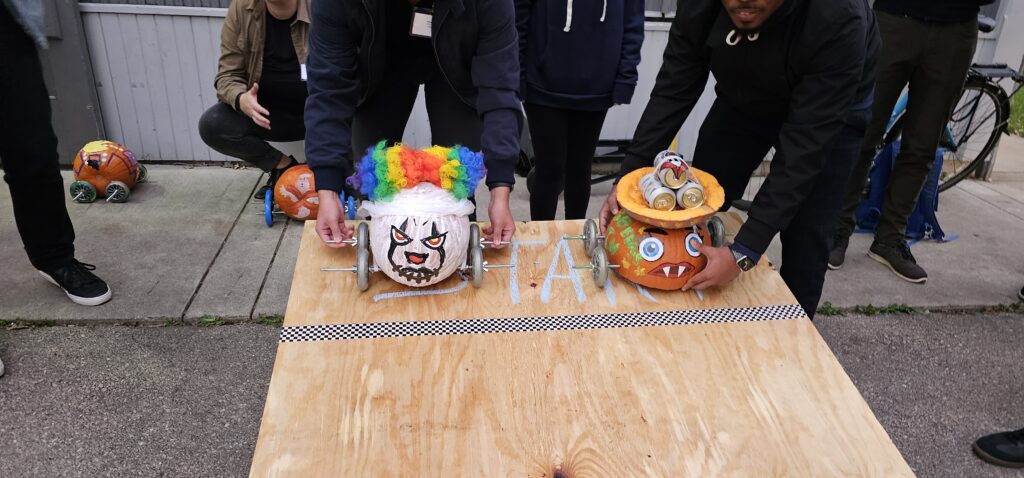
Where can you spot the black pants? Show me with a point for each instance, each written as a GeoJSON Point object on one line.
{"type": "Point", "coordinates": [234, 134]}
{"type": "Point", "coordinates": [933, 58]}
{"type": "Point", "coordinates": [731, 145]}
{"type": "Point", "coordinates": [28, 150]}
{"type": "Point", "coordinates": [563, 147]}
{"type": "Point", "coordinates": [384, 115]}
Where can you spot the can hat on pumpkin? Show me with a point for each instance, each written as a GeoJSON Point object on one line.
{"type": "Point", "coordinates": [418, 202]}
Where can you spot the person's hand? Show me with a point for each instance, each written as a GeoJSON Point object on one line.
{"type": "Point", "coordinates": [329, 223]}
{"type": "Point", "coordinates": [609, 209]}
{"type": "Point", "coordinates": [502, 225]}
{"type": "Point", "coordinates": [251, 108]}
{"type": "Point", "coordinates": [721, 268]}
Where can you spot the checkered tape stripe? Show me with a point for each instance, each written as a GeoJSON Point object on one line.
{"type": "Point", "coordinates": [376, 330]}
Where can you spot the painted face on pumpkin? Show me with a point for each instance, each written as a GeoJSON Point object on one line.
{"type": "Point", "coordinates": [652, 256]}
{"type": "Point", "coordinates": [417, 259]}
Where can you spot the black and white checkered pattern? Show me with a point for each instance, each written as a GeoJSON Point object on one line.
{"type": "Point", "coordinates": [376, 330]}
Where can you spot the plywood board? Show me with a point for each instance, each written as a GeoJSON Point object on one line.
{"type": "Point", "coordinates": [596, 392]}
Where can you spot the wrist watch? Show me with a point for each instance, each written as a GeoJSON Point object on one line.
{"type": "Point", "coordinates": [745, 263]}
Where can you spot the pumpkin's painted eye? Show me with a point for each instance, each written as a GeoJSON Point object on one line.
{"type": "Point", "coordinates": [436, 241]}
{"type": "Point", "coordinates": [399, 237]}
{"type": "Point", "coordinates": [651, 249]}
{"type": "Point", "coordinates": [693, 241]}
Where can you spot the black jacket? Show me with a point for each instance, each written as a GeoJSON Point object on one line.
{"type": "Point", "coordinates": [813, 63]}
{"type": "Point", "coordinates": [477, 51]}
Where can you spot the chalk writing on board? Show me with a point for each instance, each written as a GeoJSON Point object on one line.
{"type": "Point", "coordinates": [562, 249]}
{"type": "Point", "coordinates": [513, 272]}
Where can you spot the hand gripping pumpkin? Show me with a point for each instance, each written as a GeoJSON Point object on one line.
{"type": "Point", "coordinates": [419, 208]}
{"type": "Point", "coordinates": [105, 168]}
{"type": "Point", "coordinates": [295, 193]}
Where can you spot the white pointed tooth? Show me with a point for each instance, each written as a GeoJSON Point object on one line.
{"type": "Point", "coordinates": [679, 271]}
{"type": "Point", "coordinates": [665, 270]}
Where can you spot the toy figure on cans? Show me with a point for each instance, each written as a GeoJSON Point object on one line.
{"type": "Point", "coordinates": [105, 168]}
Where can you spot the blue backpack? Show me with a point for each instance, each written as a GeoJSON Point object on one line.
{"type": "Point", "coordinates": [923, 224]}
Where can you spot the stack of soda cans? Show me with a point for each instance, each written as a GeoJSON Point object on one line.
{"type": "Point", "coordinates": [671, 186]}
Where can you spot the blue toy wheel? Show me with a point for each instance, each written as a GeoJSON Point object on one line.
{"type": "Point", "coordinates": [351, 207]}
{"type": "Point", "coordinates": [268, 209]}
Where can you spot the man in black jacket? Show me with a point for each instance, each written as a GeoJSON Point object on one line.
{"type": "Point", "coordinates": [796, 75]}
{"type": "Point", "coordinates": [929, 45]}
{"type": "Point", "coordinates": [367, 59]}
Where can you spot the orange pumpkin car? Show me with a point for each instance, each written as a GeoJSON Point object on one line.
{"type": "Point", "coordinates": [105, 168]}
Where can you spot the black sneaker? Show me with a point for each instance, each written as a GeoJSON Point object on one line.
{"type": "Point", "coordinates": [1003, 449]}
{"type": "Point", "coordinates": [837, 257]}
{"type": "Point", "coordinates": [899, 260]}
{"type": "Point", "coordinates": [272, 180]}
{"type": "Point", "coordinates": [79, 283]}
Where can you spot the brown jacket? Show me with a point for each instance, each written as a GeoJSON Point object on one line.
{"type": "Point", "coordinates": [241, 46]}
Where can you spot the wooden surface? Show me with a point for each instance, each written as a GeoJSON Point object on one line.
{"type": "Point", "coordinates": [761, 398]}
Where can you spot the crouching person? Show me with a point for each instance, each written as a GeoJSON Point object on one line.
{"type": "Point", "coordinates": [261, 84]}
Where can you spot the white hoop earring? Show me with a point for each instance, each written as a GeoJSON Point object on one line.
{"type": "Point", "coordinates": [753, 36]}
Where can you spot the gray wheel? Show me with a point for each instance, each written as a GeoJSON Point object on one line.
{"type": "Point", "coordinates": [716, 229]}
{"type": "Point", "coordinates": [363, 235]}
{"type": "Point", "coordinates": [474, 237]}
{"type": "Point", "coordinates": [143, 174]}
{"type": "Point", "coordinates": [82, 191]}
{"type": "Point", "coordinates": [590, 240]}
{"type": "Point", "coordinates": [117, 191]}
{"type": "Point", "coordinates": [362, 267]}
{"type": "Point", "coordinates": [600, 271]}
{"type": "Point", "coordinates": [476, 264]}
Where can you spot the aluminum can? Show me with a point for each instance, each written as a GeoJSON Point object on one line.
{"type": "Point", "coordinates": [671, 169]}
{"type": "Point", "coordinates": [657, 195]}
{"type": "Point", "coordinates": [691, 195]}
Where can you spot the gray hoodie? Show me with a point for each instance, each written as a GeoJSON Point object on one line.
{"type": "Point", "coordinates": [29, 14]}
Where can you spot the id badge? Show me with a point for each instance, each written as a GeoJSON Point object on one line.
{"type": "Point", "coordinates": [422, 18]}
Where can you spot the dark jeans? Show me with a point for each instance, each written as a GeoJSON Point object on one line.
{"type": "Point", "coordinates": [731, 145]}
{"type": "Point", "coordinates": [384, 115]}
{"type": "Point", "coordinates": [28, 150]}
{"type": "Point", "coordinates": [933, 58]}
{"type": "Point", "coordinates": [563, 146]}
{"type": "Point", "coordinates": [234, 134]}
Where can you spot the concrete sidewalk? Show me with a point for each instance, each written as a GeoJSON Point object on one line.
{"type": "Point", "coordinates": [192, 243]}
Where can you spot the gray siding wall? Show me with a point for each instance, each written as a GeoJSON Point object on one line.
{"type": "Point", "coordinates": [154, 75]}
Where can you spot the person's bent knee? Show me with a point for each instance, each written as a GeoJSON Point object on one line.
{"type": "Point", "coordinates": [215, 126]}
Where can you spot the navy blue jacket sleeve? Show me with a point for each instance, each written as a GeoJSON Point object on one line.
{"type": "Point", "coordinates": [332, 80]}
{"type": "Point", "coordinates": [632, 41]}
{"type": "Point", "coordinates": [495, 73]}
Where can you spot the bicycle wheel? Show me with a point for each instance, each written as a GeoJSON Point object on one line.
{"type": "Point", "coordinates": [975, 123]}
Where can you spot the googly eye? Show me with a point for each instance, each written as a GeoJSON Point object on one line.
{"type": "Point", "coordinates": [651, 249]}
{"type": "Point", "coordinates": [693, 241]}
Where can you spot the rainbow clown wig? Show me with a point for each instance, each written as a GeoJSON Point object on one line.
{"type": "Point", "coordinates": [384, 170]}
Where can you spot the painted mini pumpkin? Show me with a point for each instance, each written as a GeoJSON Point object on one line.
{"type": "Point", "coordinates": [419, 250]}
{"type": "Point", "coordinates": [100, 162]}
{"type": "Point", "coordinates": [295, 193]}
{"type": "Point", "coordinates": [652, 256]}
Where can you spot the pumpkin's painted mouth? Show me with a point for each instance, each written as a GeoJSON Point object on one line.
{"type": "Point", "coordinates": [671, 270]}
